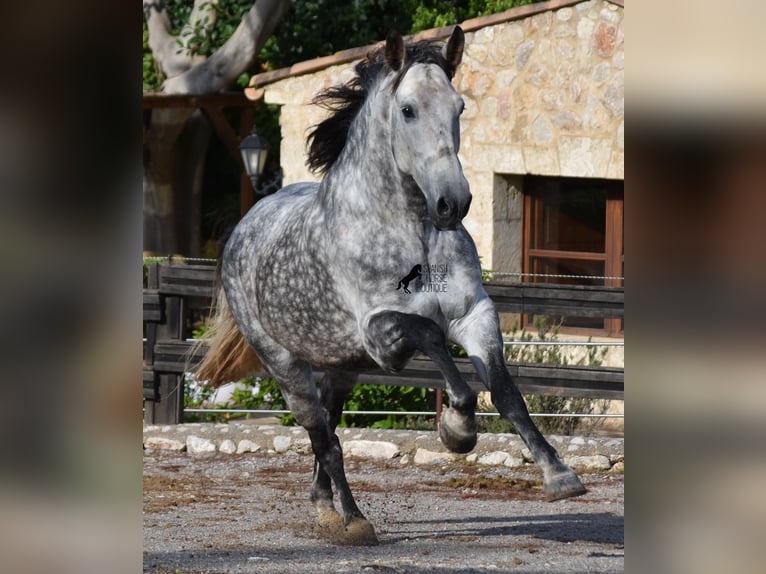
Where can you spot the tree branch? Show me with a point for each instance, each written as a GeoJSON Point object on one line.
{"type": "Point", "coordinates": [223, 67]}
{"type": "Point", "coordinates": [164, 44]}
{"type": "Point", "coordinates": [202, 9]}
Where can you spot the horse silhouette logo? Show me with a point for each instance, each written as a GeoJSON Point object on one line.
{"type": "Point", "coordinates": [411, 276]}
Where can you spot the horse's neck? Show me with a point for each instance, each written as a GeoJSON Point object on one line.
{"type": "Point", "coordinates": [365, 182]}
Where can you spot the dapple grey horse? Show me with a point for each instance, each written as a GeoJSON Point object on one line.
{"type": "Point", "coordinates": [310, 274]}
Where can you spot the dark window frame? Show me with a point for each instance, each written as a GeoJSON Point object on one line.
{"type": "Point", "coordinates": [612, 257]}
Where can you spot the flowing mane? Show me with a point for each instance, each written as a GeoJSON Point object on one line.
{"type": "Point", "coordinates": [327, 139]}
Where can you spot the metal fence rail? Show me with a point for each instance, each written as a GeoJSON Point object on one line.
{"type": "Point", "coordinates": [222, 411]}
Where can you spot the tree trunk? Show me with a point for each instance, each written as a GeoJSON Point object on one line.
{"type": "Point", "coordinates": [174, 152]}
{"type": "Point", "coordinates": [191, 153]}
{"type": "Point", "coordinates": [160, 137]}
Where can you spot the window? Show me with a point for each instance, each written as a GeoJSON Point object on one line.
{"type": "Point", "coordinates": [573, 234]}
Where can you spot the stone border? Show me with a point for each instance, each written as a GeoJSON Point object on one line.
{"type": "Point", "coordinates": [411, 447]}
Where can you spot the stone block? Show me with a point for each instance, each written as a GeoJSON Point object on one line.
{"type": "Point", "coordinates": [376, 450]}
{"type": "Point", "coordinates": [163, 443]}
{"type": "Point", "coordinates": [542, 132]}
{"type": "Point", "coordinates": [227, 446]}
{"type": "Point", "coordinates": [494, 458]}
{"type": "Point", "coordinates": [606, 39]}
{"type": "Point", "coordinates": [583, 156]}
{"type": "Point", "coordinates": [523, 52]}
{"type": "Point", "coordinates": [423, 456]}
{"type": "Point", "coordinates": [199, 445]}
{"type": "Point", "coordinates": [247, 445]}
{"type": "Point", "coordinates": [282, 443]}
{"type": "Point", "coordinates": [593, 462]}
{"type": "Point", "coordinates": [541, 160]}
{"type": "Point", "coordinates": [616, 165]}
{"type": "Point", "coordinates": [564, 14]}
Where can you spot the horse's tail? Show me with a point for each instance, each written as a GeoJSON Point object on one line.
{"type": "Point", "coordinates": [229, 356]}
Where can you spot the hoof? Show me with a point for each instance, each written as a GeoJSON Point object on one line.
{"type": "Point", "coordinates": [330, 521]}
{"type": "Point", "coordinates": [563, 485]}
{"type": "Point", "coordinates": [458, 431]}
{"type": "Point", "coordinates": [358, 532]}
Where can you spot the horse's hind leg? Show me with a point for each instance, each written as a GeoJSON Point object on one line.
{"type": "Point", "coordinates": [479, 334]}
{"type": "Point", "coordinates": [297, 385]}
{"type": "Point", "coordinates": [333, 392]}
{"type": "Point", "coordinates": [302, 398]}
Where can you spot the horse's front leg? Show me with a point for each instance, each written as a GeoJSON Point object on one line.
{"type": "Point", "coordinates": [479, 334]}
{"type": "Point", "coordinates": [391, 339]}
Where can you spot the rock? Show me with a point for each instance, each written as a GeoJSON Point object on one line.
{"type": "Point", "coordinates": [302, 446]}
{"type": "Point", "coordinates": [541, 130]}
{"type": "Point", "coordinates": [163, 443]}
{"type": "Point", "coordinates": [228, 446]}
{"type": "Point", "coordinates": [503, 458]}
{"type": "Point", "coordinates": [377, 450]}
{"type": "Point", "coordinates": [564, 14]}
{"type": "Point", "coordinates": [606, 39]}
{"type": "Point", "coordinates": [590, 462]}
{"type": "Point", "coordinates": [514, 461]}
{"type": "Point", "coordinates": [197, 445]}
{"type": "Point", "coordinates": [523, 52]}
{"type": "Point", "coordinates": [527, 454]}
{"type": "Point", "coordinates": [246, 445]}
{"type": "Point", "coordinates": [618, 467]}
{"type": "Point", "coordinates": [494, 458]}
{"type": "Point", "coordinates": [423, 456]}
{"type": "Point", "coordinates": [567, 121]}
{"type": "Point", "coordinates": [282, 443]}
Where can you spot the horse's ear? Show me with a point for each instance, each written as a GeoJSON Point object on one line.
{"type": "Point", "coordinates": [453, 51]}
{"type": "Point", "coordinates": [394, 51]}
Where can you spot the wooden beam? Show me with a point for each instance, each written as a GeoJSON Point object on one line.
{"type": "Point", "coordinates": [224, 99]}
{"type": "Point", "coordinates": [225, 132]}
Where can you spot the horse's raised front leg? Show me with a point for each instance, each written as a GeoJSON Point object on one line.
{"type": "Point", "coordinates": [479, 334]}
{"type": "Point", "coordinates": [392, 338]}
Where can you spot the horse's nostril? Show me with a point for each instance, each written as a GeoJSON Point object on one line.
{"type": "Point", "coordinates": [443, 208]}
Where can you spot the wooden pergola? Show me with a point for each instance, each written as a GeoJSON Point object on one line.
{"type": "Point", "coordinates": [212, 106]}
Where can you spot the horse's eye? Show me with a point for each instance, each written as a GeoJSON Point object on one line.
{"type": "Point", "coordinates": [408, 112]}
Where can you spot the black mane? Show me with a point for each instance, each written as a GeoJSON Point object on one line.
{"type": "Point", "coordinates": [327, 139]}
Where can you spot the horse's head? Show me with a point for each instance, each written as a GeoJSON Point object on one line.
{"type": "Point", "coordinates": [425, 112]}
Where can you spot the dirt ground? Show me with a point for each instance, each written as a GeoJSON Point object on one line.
{"type": "Point", "coordinates": [251, 513]}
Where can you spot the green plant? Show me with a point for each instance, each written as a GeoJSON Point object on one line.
{"type": "Point", "coordinates": [263, 394]}
{"type": "Point", "coordinates": [266, 396]}
{"type": "Point", "coordinates": [388, 398]}
{"type": "Point", "coordinates": [486, 274]}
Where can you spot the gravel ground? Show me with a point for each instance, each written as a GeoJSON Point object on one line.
{"type": "Point", "coordinates": [250, 513]}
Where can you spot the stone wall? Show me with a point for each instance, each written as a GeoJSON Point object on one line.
{"type": "Point", "coordinates": [544, 95]}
